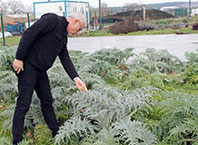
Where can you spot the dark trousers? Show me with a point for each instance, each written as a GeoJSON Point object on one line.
{"type": "Point", "coordinates": [29, 80]}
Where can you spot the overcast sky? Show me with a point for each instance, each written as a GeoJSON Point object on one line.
{"type": "Point", "coordinates": [112, 2]}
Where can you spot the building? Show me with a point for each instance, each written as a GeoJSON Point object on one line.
{"type": "Point", "coordinates": [175, 11]}
{"type": "Point", "coordinates": [62, 8]}
{"type": "Point", "coordinates": [194, 12]}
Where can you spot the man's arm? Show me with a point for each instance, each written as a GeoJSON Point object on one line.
{"type": "Point", "coordinates": [45, 24]}
{"type": "Point", "coordinates": [70, 69]}
{"type": "Point", "coordinates": [68, 64]}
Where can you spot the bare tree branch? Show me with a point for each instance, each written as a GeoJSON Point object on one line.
{"type": "Point", "coordinates": [3, 7]}
{"type": "Point", "coordinates": [16, 6]}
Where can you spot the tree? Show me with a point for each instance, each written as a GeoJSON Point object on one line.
{"type": "Point", "coordinates": [3, 7]}
{"type": "Point", "coordinates": [15, 6]}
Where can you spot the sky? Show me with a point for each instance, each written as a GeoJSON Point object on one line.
{"type": "Point", "coordinates": [94, 3]}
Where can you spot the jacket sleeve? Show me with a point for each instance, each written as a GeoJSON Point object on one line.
{"type": "Point", "coordinates": [67, 63]}
{"type": "Point", "coordinates": [45, 24]}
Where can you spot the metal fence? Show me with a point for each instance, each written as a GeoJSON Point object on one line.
{"type": "Point", "coordinates": [14, 25]}
{"type": "Point", "coordinates": [62, 7]}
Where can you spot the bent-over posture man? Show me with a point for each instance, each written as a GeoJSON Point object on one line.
{"type": "Point", "coordinates": [38, 48]}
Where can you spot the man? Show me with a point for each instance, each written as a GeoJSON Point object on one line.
{"type": "Point", "coordinates": [38, 48]}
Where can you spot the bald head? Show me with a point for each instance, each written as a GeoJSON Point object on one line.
{"type": "Point", "coordinates": [76, 23]}
{"type": "Point", "coordinates": [77, 16]}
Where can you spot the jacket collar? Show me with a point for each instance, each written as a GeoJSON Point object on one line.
{"type": "Point", "coordinates": [61, 30]}
{"type": "Point", "coordinates": [65, 23]}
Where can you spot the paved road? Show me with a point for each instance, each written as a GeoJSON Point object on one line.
{"type": "Point", "coordinates": [175, 44]}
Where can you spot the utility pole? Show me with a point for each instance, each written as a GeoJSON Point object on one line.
{"type": "Point", "coordinates": [190, 8]}
{"type": "Point", "coordinates": [100, 15]}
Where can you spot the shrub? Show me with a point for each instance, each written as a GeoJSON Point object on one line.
{"type": "Point", "coordinates": [125, 27]}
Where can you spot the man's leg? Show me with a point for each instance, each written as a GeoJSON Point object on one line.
{"type": "Point", "coordinates": [26, 84]}
{"type": "Point", "coordinates": [43, 91]}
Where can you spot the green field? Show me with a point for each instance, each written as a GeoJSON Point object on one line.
{"type": "Point", "coordinates": [151, 100]}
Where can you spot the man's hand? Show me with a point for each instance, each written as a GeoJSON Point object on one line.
{"type": "Point", "coordinates": [81, 85]}
{"type": "Point", "coordinates": [18, 65]}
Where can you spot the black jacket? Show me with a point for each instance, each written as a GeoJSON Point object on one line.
{"type": "Point", "coordinates": [44, 41]}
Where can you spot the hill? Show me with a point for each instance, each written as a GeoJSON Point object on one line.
{"type": "Point", "coordinates": [179, 4]}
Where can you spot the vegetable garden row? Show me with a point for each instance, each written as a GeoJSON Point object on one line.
{"type": "Point", "coordinates": [145, 99]}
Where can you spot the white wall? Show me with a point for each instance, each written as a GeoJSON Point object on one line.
{"type": "Point", "coordinates": [194, 12]}
{"type": "Point", "coordinates": [42, 8]}
{"type": "Point", "coordinates": [59, 8]}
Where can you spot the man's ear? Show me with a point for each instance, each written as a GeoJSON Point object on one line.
{"type": "Point", "coordinates": [76, 20]}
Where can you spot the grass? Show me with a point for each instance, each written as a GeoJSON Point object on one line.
{"type": "Point", "coordinates": [152, 32]}
{"type": "Point", "coordinates": [14, 40]}
{"type": "Point", "coordinates": [178, 20]}
{"type": "Point", "coordinates": [96, 33]}
{"type": "Point", "coordinates": [165, 31]}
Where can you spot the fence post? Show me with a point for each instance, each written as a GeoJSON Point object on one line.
{"type": "Point", "coordinates": [28, 18]}
{"type": "Point", "coordinates": [90, 16]}
{"type": "Point", "coordinates": [87, 20]}
{"type": "Point", "coordinates": [95, 21]}
{"type": "Point", "coordinates": [102, 18]}
{"type": "Point", "coordinates": [2, 30]}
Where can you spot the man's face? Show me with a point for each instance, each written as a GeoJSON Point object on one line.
{"type": "Point", "coordinates": [75, 26]}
